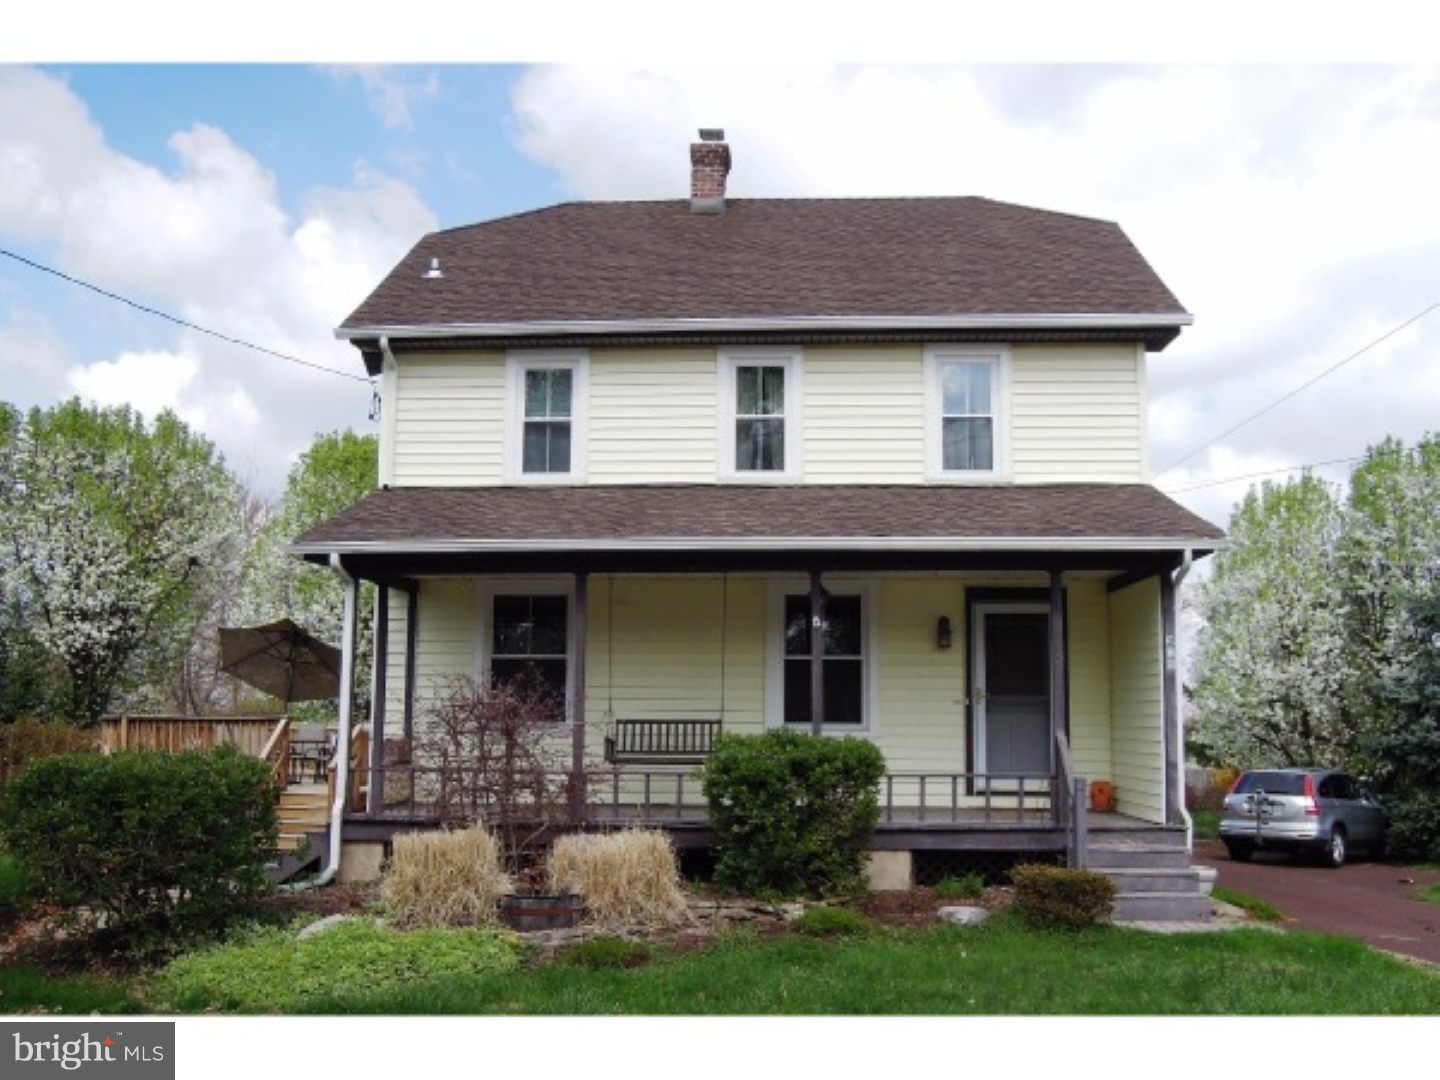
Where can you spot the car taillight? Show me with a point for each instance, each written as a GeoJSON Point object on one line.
{"type": "Point", "coordinates": [1312, 804]}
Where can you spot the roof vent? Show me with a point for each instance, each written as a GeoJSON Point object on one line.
{"type": "Point", "coordinates": [434, 271]}
{"type": "Point", "coordinates": [709, 166]}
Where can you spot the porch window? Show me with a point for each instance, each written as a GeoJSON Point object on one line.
{"type": "Point", "coordinates": [545, 440]}
{"type": "Point", "coordinates": [530, 635]}
{"type": "Point", "coordinates": [760, 421]}
{"type": "Point", "coordinates": [844, 663]}
{"type": "Point", "coordinates": [966, 403]}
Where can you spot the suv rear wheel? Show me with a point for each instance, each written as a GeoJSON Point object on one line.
{"type": "Point", "coordinates": [1240, 850]}
{"type": "Point", "coordinates": [1334, 853]}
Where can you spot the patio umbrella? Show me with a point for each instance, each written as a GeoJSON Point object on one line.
{"type": "Point", "coordinates": [281, 659]}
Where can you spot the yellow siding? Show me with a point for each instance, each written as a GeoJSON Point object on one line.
{"type": "Point", "coordinates": [1077, 413]}
{"type": "Point", "coordinates": [652, 416]}
{"type": "Point", "coordinates": [1137, 701]}
{"type": "Point", "coordinates": [864, 415]}
{"type": "Point", "coordinates": [1089, 634]}
{"type": "Point", "coordinates": [922, 720]}
{"type": "Point", "coordinates": [449, 419]}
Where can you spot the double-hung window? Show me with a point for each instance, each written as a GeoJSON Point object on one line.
{"type": "Point", "coordinates": [966, 413]}
{"type": "Point", "coordinates": [547, 416]}
{"type": "Point", "coordinates": [529, 639]}
{"type": "Point", "coordinates": [845, 668]}
{"type": "Point", "coordinates": [760, 414]}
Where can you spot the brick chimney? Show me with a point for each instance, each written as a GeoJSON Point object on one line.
{"type": "Point", "coordinates": [709, 165]}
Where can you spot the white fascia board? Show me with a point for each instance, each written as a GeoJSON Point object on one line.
{"type": "Point", "coordinates": [1110, 321]}
{"type": "Point", "coordinates": [749, 544]}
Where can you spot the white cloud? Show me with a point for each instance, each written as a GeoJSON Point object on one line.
{"type": "Point", "coordinates": [211, 244]}
{"type": "Point", "coordinates": [391, 92]}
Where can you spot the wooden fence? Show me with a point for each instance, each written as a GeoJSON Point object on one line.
{"type": "Point", "coordinates": [248, 734]}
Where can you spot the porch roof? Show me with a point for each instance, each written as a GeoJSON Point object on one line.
{"type": "Point", "coordinates": [612, 522]}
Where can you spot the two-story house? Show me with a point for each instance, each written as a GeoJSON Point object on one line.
{"type": "Point", "coordinates": [874, 467]}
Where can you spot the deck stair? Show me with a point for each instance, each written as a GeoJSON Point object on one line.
{"type": "Point", "coordinates": [1152, 870]}
{"type": "Point", "coordinates": [304, 817]}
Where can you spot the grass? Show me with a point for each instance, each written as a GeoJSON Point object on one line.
{"type": "Point", "coordinates": [1255, 906]}
{"type": "Point", "coordinates": [1207, 824]}
{"type": "Point", "coordinates": [26, 990]}
{"type": "Point", "coordinates": [1432, 894]}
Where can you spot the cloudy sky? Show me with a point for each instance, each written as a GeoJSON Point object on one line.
{"type": "Point", "coordinates": [1289, 204]}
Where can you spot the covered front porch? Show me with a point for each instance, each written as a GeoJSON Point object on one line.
{"type": "Point", "coordinates": [1000, 645]}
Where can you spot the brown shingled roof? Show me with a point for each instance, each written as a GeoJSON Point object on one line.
{"type": "Point", "coordinates": [768, 259]}
{"type": "Point", "coordinates": [723, 516]}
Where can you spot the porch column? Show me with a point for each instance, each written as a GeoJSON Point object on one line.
{"type": "Point", "coordinates": [817, 654]}
{"type": "Point", "coordinates": [377, 708]}
{"type": "Point", "coordinates": [1170, 709]}
{"type": "Point", "coordinates": [577, 697]}
{"type": "Point", "coordinates": [1059, 681]}
{"type": "Point", "coordinates": [412, 633]}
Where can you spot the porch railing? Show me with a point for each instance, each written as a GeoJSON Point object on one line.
{"type": "Point", "coordinates": [661, 797]}
{"type": "Point", "coordinates": [248, 734]}
{"type": "Point", "coordinates": [1068, 802]}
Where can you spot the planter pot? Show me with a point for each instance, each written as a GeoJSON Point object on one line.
{"type": "Point", "coordinates": [1102, 796]}
{"type": "Point", "coordinates": [531, 911]}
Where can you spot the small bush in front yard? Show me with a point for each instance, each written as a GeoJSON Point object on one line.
{"type": "Point", "coordinates": [12, 886]}
{"type": "Point", "coordinates": [791, 812]}
{"type": "Point", "coordinates": [833, 922]}
{"type": "Point", "coordinates": [1414, 833]}
{"type": "Point", "coordinates": [153, 845]}
{"type": "Point", "coordinates": [1050, 897]}
{"type": "Point", "coordinates": [962, 887]}
{"type": "Point", "coordinates": [445, 879]}
{"type": "Point", "coordinates": [627, 878]}
{"type": "Point", "coordinates": [270, 971]}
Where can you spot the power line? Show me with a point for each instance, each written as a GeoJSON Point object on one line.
{"type": "Point", "coordinates": [1304, 386]}
{"type": "Point", "coordinates": [178, 321]}
{"type": "Point", "coordinates": [1257, 475]}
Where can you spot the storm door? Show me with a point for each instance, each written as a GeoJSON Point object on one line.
{"type": "Point", "coordinates": [1010, 696]}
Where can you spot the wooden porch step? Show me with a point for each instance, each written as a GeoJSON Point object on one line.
{"type": "Point", "coordinates": [1152, 871]}
{"type": "Point", "coordinates": [1162, 907]}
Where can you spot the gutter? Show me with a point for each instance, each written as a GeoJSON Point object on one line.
{"type": "Point", "coordinates": [997, 321]}
{"type": "Point", "coordinates": [342, 741]}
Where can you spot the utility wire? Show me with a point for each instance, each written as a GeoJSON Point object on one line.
{"type": "Point", "coordinates": [180, 322]}
{"type": "Point", "coordinates": [1257, 475]}
{"type": "Point", "coordinates": [1304, 386]}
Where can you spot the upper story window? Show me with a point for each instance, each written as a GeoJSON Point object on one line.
{"type": "Point", "coordinates": [760, 414]}
{"type": "Point", "coordinates": [966, 433]}
{"type": "Point", "coordinates": [546, 429]}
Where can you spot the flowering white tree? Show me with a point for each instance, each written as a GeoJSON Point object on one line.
{"type": "Point", "coordinates": [110, 533]}
{"type": "Point", "coordinates": [1271, 658]}
{"type": "Point", "coordinates": [338, 470]}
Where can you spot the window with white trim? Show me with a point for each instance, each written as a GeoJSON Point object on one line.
{"type": "Point", "coordinates": [547, 416]}
{"type": "Point", "coordinates": [760, 414]}
{"type": "Point", "coordinates": [966, 390]}
{"type": "Point", "coordinates": [850, 667]}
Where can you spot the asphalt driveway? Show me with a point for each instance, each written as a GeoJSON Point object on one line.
{"type": "Point", "coordinates": [1374, 901]}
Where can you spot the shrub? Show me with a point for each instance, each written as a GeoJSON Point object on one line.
{"type": "Point", "coordinates": [791, 812]}
{"type": "Point", "coordinates": [269, 970]}
{"type": "Point", "coordinates": [24, 741]}
{"type": "Point", "coordinates": [1414, 833]}
{"type": "Point", "coordinates": [833, 922]}
{"type": "Point", "coordinates": [626, 878]}
{"type": "Point", "coordinates": [12, 886]}
{"type": "Point", "coordinates": [962, 887]}
{"type": "Point", "coordinates": [604, 953]}
{"type": "Point", "coordinates": [1050, 897]}
{"type": "Point", "coordinates": [153, 844]}
{"type": "Point", "coordinates": [445, 879]}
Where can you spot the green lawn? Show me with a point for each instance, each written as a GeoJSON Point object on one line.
{"type": "Point", "coordinates": [999, 969]}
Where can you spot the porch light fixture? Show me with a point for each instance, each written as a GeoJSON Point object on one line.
{"type": "Point", "coordinates": [943, 636]}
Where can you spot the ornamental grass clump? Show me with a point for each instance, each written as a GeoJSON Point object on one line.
{"type": "Point", "coordinates": [451, 878]}
{"type": "Point", "coordinates": [629, 878]}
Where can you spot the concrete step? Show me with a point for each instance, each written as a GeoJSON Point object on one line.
{"type": "Point", "coordinates": [1111, 853]}
{"type": "Point", "coordinates": [1139, 880]}
{"type": "Point", "coordinates": [1162, 907]}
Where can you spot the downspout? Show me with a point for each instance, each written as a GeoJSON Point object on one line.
{"type": "Point", "coordinates": [342, 739]}
{"type": "Point", "coordinates": [1177, 579]}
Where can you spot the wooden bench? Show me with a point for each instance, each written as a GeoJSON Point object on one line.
{"type": "Point", "coordinates": [661, 742]}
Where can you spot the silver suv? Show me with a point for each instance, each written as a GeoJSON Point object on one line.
{"type": "Point", "coordinates": [1322, 812]}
